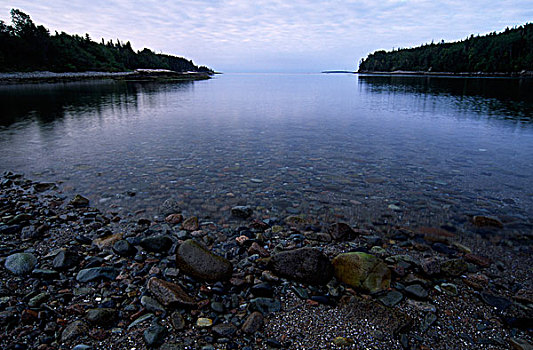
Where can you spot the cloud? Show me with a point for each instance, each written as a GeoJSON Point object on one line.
{"type": "Point", "coordinates": [272, 35]}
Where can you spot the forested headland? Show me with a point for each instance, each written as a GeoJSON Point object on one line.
{"type": "Point", "coordinates": [26, 47]}
{"type": "Point", "coordinates": [510, 51]}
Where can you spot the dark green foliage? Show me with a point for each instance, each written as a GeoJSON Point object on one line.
{"type": "Point", "coordinates": [506, 52]}
{"type": "Point", "coordinates": [27, 47]}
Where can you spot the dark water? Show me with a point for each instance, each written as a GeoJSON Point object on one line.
{"type": "Point", "coordinates": [413, 150]}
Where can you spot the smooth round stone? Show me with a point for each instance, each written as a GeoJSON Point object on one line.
{"type": "Point", "coordinates": [204, 322]}
{"type": "Point", "coordinates": [20, 263]}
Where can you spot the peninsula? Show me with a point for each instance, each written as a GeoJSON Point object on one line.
{"type": "Point", "coordinates": [26, 47]}
{"type": "Point", "coordinates": [506, 53]}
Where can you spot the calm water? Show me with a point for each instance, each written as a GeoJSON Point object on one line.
{"type": "Point", "coordinates": [414, 150]}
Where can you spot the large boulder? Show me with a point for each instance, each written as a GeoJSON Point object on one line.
{"type": "Point", "coordinates": [307, 265]}
{"type": "Point", "coordinates": [197, 261]}
{"type": "Point", "coordinates": [362, 271]}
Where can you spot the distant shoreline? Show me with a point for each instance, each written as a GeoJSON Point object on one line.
{"type": "Point", "coordinates": [137, 75]}
{"type": "Point", "coordinates": [525, 74]}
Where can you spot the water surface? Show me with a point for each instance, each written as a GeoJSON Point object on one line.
{"type": "Point", "coordinates": [412, 150]}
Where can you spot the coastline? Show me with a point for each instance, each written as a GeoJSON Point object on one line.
{"type": "Point", "coordinates": [93, 279]}
{"type": "Point", "coordinates": [137, 75]}
{"type": "Point", "coordinates": [525, 74]}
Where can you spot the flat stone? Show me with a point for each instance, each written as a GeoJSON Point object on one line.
{"type": "Point", "coordinates": [362, 271]}
{"type": "Point", "coordinates": [416, 291]}
{"type": "Point", "coordinates": [265, 305]}
{"type": "Point", "coordinates": [306, 265]}
{"type": "Point", "coordinates": [483, 221]}
{"type": "Point", "coordinates": [500, 303]}
{"type": "Point", "coordinates": [97, 273]}
{"type": "Point", "coordinates": [65, 259]}
{"type": "Point", "coordinates": [20, 263]}
{"type": "Point", "coordinates": [75, 330]}
{"type": "Point", "coordinates": [197, 261]}
{"type": "Point", "coordinates": [225, 330]}
{"type": "Point", "coordinates": [177, 321]}
{"type": "Point", "coordinates": [478, 260]}
{"type": "Point", "coordinates": [169, 294]}
{"type": "Point", "coordinates": [391, 299]}
{"type": "Point", "coordinates": [253, 323]}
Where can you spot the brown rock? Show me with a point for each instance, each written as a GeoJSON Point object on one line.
{"type": "Point", "coordinates": [255, 248]}
{"type": "Point", "coordinates": [174, 219]}
{"type": "Point", "coordinates": [190, 224]}
{"type": "Point", "coordinates": [107, 241]}
{"type": "Point", "coordinates": [478, 260]}
{"type": "Point", "coordinates": [253, 323]}
{"type": "Point", "coordinates": [481, 221]}
{"type": "Point", "coordinates": [169, 294]}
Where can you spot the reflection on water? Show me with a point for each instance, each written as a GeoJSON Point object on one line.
{"type": "Point", "coordinates": [324, 146]}
{"type": "Point", "coordinates": [46, 103]}
{"type": "Point", "coordinates": [506, 98]}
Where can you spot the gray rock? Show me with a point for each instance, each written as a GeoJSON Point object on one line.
{"type": "Point", "coordinates": [265, 305]}
{"type": "Point", "coordinates": [428, 320]}
{"type": "Point", "coordinates": [101, 316]}
{"type": "Point", "coordinates": [97, 273]}
{"type": "Point", "coordinates": [45, 274]}
{"type": "Point", "coordinates": [74, 330]}
{"type": "Point", "coordinates": [241, 211]}
{"type": "Point", "coordinates": [416, 291]}
{"type": "Point", "coordinates": [177, 321]}
{"type": "Point", "coordinates": [124, 248]}
{"type": "Point", "coordinates": [392, 298]}
{"type": "Point", "coordinates": [82, 347]}
{"type": "Point", "coordinates": [156, 244]}
{"type": "Point", "coordinates": [197, 261]}
{"type": "Point", "coordinates": [155, 335]}
{"type": "Point", "coordinates": [306, 265]}
{"type": "Point", "coordinates": [253, 323]}
{"type": "Point", "coordinates": [151, 304]}
{"type": "Point", "coordinates": [224, 330]}
{"type": "Point", "coordinates": [20, 263]}
{"type": "Point", "coordinates": [65, 259]}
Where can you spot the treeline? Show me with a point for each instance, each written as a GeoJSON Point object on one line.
{"type": "Point", "coordinates": [27, 47]}
{"type": "Point", "coordinates": [507, 52]}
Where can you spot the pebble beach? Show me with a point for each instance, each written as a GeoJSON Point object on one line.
{"type": "Point", "coordinates": [78, 277]}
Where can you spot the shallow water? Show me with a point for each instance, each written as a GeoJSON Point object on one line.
{"type": "Point", "coordinates": [375, 149]}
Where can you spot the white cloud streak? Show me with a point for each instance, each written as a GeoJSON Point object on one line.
{"type": "Point", "coordinates": [275, 35]}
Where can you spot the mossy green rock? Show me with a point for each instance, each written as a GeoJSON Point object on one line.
{"type": "Point", "coordinates": [362, 271]}
{"type": "Point", "coordinates": [197, 261]}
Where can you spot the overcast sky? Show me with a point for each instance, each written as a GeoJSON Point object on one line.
{"type": "Point", "coordinates": [274, 35]}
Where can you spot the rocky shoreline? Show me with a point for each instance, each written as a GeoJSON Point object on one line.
{"type": "Point", "coordinates": [139, 74]}
{"type": "Point", "coordinates": [523, 74]}
{"type": "Point", "coordinates": [74, 277]}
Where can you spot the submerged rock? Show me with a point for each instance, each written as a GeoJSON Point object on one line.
{"type": "Point", "coordinates": [197, 261]}
{"type": "Point", "coordinates": [307, 265]}
{"type": "Point", "coordinates": [79, 201]}
{"type": "Point", "coordinates": [241, 211]}
{"type": "Point", "coordinates": [341, 231]}
{"type": "Point", "coordinates": [481, 221]}
{"type": "Point", "coordinates": [362, 271]}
